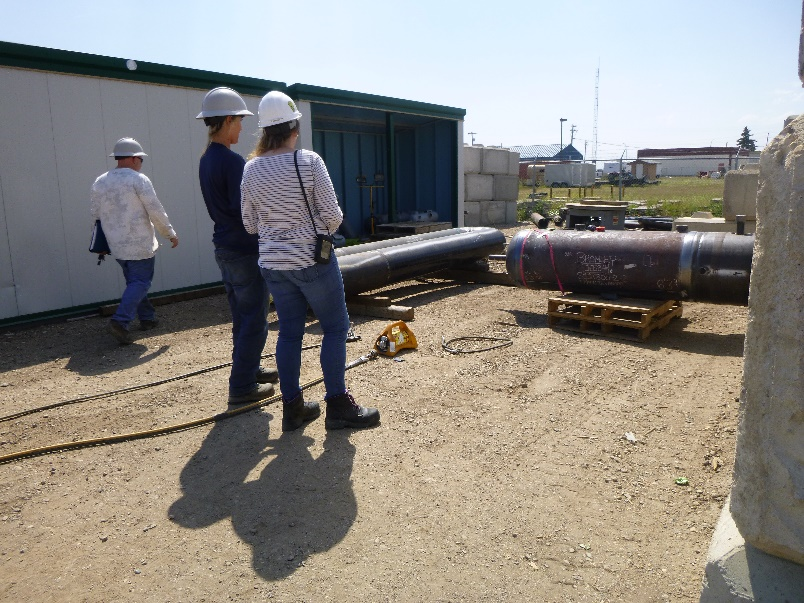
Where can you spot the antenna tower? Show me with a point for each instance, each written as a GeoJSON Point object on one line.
{"type": "Point", "coordinates": [594, 129]}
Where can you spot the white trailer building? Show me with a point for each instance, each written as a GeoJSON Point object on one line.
{"type": "Point", "coordinates": [569, 174]}
{"type": "Point", "coordinates": [695, 161]}
{"type": "Point", "coordinates": [62, 111]}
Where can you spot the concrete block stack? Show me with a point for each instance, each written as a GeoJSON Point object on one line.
{"type": "Point", "coordinates": [740, 196]}
{"type": "Point", "coordinates": [739, 199]}
{"type": "Point", "coordinates": [491, 185]}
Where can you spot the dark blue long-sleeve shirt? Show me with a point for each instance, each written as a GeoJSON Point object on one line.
{"type": "Point", "coordinates": [219, 173]}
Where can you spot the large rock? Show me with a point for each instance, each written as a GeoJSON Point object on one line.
{"type": "Point", "coordinates": [767, 500]}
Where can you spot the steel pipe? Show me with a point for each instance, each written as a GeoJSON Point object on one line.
{"type": "Point", "coordinates": [406, 240]}
{"type": "Point", "coordinates": [382, 263]}
{"type": "Point", "coordinates": [710, 267]}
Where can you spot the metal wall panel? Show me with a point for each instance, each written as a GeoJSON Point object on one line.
{"type": "Point", "coordinates": [443, 180]}
{"type": "Point", "coordinates": [208, 271]}
{"type": "Point", "coordinates": [8, 294]}
{"type": "Point", "coordinates": [59, 130]}
{"type": "Point", "coordinates": [406, 187]}
{"type": "Point", "coordinates": [31, 193]}
{"type": "Point", "coordinates": [80, 149]}
{"type": "Point", "coordinates": [426, 156]}
{"type": "Point", "coordinates": [344, 171]}
{"type": "Point", "coordinates": [347, 156]}
{"type": "Point", "coordinates": [171, 170]}
{"type": "Point", "coordinates": [457, 146]}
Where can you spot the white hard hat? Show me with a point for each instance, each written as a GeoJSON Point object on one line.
{"type": "Point", "coordinates": [277, 108]}
{"type": "Point", "coordinates": [222, 101]}
{"type": "Point", "coordinates": [127, 147]}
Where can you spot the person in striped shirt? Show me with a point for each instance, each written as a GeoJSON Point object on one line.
{"type": "Point", "coordinates": [273, 205]}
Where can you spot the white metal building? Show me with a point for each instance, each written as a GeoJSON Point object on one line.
{"type": "Point", "coordinates": [693, 161]}
{"type": "Point", "coordinates": [61, 113]}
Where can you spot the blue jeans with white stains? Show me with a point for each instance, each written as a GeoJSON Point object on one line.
{"type": "Point", "coordinates": [135, 302]}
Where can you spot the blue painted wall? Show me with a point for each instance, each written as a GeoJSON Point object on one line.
{"type": "Point", "coordinates": [425, 158]}
{"type": "Point", "coordinates": [348, 155]}
{"type": "Point", "coordinates": [424, 174]}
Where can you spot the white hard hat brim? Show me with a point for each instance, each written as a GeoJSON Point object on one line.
{"type": "Point", "coordinates": [205, 114]}
{"type": "Point", "coordinates": [296, 115]}
{"type": "Point", "coordinates": [113, 154]}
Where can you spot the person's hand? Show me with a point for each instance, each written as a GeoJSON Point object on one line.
{"type": "Point", "coordinates": [174, 241]}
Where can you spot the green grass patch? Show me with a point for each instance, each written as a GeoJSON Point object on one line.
{"type": "Point", "coordinates": [672, 197]}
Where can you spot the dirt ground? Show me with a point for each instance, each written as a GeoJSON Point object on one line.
{"type": "Point", "coordinates": [502, 475]}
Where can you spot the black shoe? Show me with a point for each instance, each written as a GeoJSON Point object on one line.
{"type": "Point", "coordinates": [343, 411]}
{"type": "Point", "coordinates": [297, 412]}
{"type": "Point", "coordinates": [147, 325]}
{"type": "Point", "coordinates": [261, 392]}
{"type": "Point", "coordinates": [120, 332]}
{"type": "Point", "coordinates": [265, 375]}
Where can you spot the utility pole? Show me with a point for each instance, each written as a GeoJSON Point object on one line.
{"type": "Point", "coordinates": [572, 133]}
{"type": "Point", "coordinates": [472, 134]}
{"type": "Point", "coordinates": [594, 133]}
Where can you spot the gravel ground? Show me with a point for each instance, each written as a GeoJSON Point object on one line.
{"type": "Point", "coordinates": [501, 475]}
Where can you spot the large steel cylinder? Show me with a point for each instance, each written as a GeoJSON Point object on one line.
{"type": "Point", "coordinates": [711, 267]}
{"type": "Point", "coordinates": [406, 240]}
{"type": "Point", "coordinates": [374, 265]}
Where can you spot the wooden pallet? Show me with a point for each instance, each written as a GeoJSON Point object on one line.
{"type": "Point", "coordinates": [625, 317]}
{"type": "Point", "coordinates": [409, 228]}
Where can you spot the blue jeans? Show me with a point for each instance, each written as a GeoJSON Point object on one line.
{"type": "Point", "coordinates": [248, 301]}
{"type": "Point", "coordinates": [320, 286]}
{"type": "Point", "coordinates": [135, 302]}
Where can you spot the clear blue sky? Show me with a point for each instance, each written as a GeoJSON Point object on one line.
{"type": "Point", "coordinates": [672, 73]}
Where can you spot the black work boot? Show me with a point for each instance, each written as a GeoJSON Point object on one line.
{"type": "Point", "coordinates": [120, 333]}
{"type": "Point", "coordinates": [261, 392]}
{"type": "Point", "coordinates": [343, 411]}
{"type": "Point", "coordinates": [297, 412]}
{"type": "Point", "coordinates": [267, 375]}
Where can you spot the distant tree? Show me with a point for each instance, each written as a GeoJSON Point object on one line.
{"type": "Point", "coordinates": [746, 142]}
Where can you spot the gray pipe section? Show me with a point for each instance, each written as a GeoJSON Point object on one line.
{"type": "Point", "coordinates": [710, 267]}
{"type": "Point", "coordinates": [374, 265]}
{"type": "Point", "coordinates": [426, 236]}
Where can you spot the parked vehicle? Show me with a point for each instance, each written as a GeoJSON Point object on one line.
{"type": "Point", "coordinates": [628, 179]}
{"type": "Point", "coordinates": [569, 174]}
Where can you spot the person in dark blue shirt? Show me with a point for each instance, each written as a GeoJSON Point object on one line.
{"type": "Point", "coordinates": [236, 251]}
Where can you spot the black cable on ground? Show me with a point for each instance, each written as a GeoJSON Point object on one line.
{"type": "Point", "coordinates": [34, 452]}
{"type": "Point", "coordinates": [500, 342]}
{"type": "Point", "coordinates": [127, 390]}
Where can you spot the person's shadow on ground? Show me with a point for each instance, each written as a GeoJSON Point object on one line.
{"type": "Point", "coordinates": [296, 507]}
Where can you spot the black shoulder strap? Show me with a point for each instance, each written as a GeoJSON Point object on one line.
{"type": "Point", "coordinates": [301, 184]}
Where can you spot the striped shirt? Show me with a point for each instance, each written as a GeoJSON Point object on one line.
{"type": "Point", "coordinates": [273, 206]}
